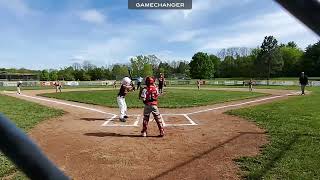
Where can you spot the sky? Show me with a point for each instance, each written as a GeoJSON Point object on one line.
{"type": "Point", "coordinates": [45, 34]}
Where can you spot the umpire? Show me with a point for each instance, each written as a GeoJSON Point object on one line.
{"type": "Point", "coordinates": [303, 82]}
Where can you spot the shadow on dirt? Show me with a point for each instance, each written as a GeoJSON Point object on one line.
{"type": "Point", "coordinates": [104, 134]}
{"type": "Point", "coordinates": [93, 119]}
{"type": "Point", "coordinates": [165, 173]}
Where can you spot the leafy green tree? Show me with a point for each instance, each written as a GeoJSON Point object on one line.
{"type": "Point", "coordinates": [292, 44]}
{"type": "Point", "coordinates": [228, 67]}
{"type": "Point", "coordinates": [44, 75]}
{"type": "Point", "coordinates": [95, 73]}
{"type": "Point", "coordinates": [166, 69]}
{"type": "Point", "coordinates": [78, 74]}
{"type": "Point", "coordinates": [138, 63]}
{"type": "Point", "coordinates": [201, 66]}
{"type": "Point", "coordinates": [107, 74]}
{"type": "Point", "coordinates": [86, 77]}
{"type": "Point", "coordinates": [183, 69]}
{"type": "Point", "coordinates": [311, 60]}
{"type": "Point", "coordinates": [217, 62]}
{"type": "Point", "coordinates": [66, 74]}
{"type": "Point", "coordinates": [291, 56]}
{"type": "Point", "coordinates": [269, 60]}
{"type": "Point", "coordinates": [53, 75]}
{"type": "Point", "coordinates": [147, 70]}
{"type": "Point", "coordinates": [119, 71]}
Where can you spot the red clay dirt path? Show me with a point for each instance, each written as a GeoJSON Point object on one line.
{"type": "Point", "coordinates": [84, 149]}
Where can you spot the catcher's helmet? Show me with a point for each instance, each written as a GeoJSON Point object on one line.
{"type": "Point", "coordinates": [126, 81]}
{"type": "Point", "coordinates": [149, 81]}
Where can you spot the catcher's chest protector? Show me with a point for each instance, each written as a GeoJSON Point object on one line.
{"type": "Point", "coordinates": [152, 95]}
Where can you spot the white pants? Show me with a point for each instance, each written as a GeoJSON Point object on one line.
{"type": "Point", "coordinates": [18, 90]}
{"type": "Point", "coordinates": [122, 106]}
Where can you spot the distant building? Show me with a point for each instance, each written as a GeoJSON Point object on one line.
{"type": "Point", "coordinates": [7, 76]}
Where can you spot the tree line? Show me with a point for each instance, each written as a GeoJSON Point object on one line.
{"type": "Point", "coordinates": [271, 59]}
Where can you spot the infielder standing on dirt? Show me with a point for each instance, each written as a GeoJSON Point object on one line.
{"type": "Point", "coordinates": [303, 80]}
{"type": "Point", "coordinates": [149, 96]}
{"type": "Point", "coordinates": [19, 84]}
{"type": "Point", "coordinates": [124, 89]}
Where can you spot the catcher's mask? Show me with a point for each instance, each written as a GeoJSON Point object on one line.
{"type": "Point", "coordinates": [149, 81]}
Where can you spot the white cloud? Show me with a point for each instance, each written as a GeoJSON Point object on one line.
{"type": "Point", "coordinates": [18, 7]}
{"type": "Point", "coordinates": [109, 52]}
{"type": "Point", "coordinates": [199, 8]}
{"type": "Point", "coordinates": [184, 36]}
{"type": "Point", "coordinates": [92, 16]}
{"type": "Point", "coordinates": [77, 58]}
{"type": "Point", "coordinates": [168, 55]}
{"type": "Point", "coordinates": [250, 33]}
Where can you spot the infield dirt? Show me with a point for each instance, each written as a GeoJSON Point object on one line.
{"type": "Point", "coordinates": [84, 149]}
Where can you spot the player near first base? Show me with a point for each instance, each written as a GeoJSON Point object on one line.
{"type": "Point", "coordinates": [303, 80]}
{"type": "Point", "coordinates": [150, 96]}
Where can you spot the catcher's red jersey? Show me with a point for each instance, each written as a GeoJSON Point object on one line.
{"type": "Point", "coordinates": [150, 95]}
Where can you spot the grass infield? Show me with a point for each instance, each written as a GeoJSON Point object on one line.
{"type": "Point", "coordinates": [25, 115]}
{"type": "Point", "coordinates": [293, 127]}
{"type": "Point", "coordinates": [172, 98]}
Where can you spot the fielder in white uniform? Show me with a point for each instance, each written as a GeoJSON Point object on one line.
{"type": "Point", "coordinates": [124, 89]}
{"type": "Point", "coordinates": [19, 84]}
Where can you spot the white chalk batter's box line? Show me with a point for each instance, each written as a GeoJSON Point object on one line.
{"type": "Point", "coordinates": [136, 122]}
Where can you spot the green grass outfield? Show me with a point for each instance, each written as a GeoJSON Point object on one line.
{"type": "Point", "coordinates": [293, 127]}
{"type": "Point", "coordinates": [173, 98]}
{"type": "Point", "coordinates": [25, 115]}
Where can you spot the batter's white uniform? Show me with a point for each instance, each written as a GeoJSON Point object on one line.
{"type": "Point", "coordinates": [125, 84]}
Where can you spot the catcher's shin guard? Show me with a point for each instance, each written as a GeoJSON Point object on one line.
{"type": "Point", "coordinates": [145, 123]}
{"type": "Point", "coordinates": [158, 119]}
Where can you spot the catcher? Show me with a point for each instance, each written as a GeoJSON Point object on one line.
{"type": "Point", "coordinates": [125, 87]}
{"type": "Point", "coordinates": [149, 96]}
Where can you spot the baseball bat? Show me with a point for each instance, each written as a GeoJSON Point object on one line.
{"type": "Point", "coordinates": [25, 154]}
{"type": "Point", "coordinates": [129, 71]}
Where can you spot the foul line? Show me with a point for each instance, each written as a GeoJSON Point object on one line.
{"type": "Point", "coordinates": [239, 104]}
{"type": "Point", "coordinates": [67, 104]}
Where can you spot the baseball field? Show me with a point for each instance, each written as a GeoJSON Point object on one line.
{"type": "Point", "coordinates": [217, 133]}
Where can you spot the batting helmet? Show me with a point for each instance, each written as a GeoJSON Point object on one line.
{"type": "Point", "coordinates": [126, 81]}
